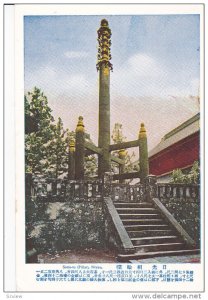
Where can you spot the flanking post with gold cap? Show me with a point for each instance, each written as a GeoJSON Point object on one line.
{"type": "Point", "coordinates": [71, 168]}
{"type": "Point", "coordinates": [104, 66]}
{"type": "Point", "coordinates": [122, 155]}
{"type": "Point", "coordinates": [143, 154]}
{"type": "Point", "coordinates": [80, 150]}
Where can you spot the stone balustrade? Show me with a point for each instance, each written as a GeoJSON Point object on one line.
{"type": "Point", "coordinates": [121, 192]}
{"type": "Point", "coordinates": [63, 190]}
{"type": "Point", "coordinates": [177, 190]}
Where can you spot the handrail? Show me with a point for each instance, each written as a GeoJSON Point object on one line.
{"type": "Point", "coordinates": [174, 222]}
{"type": "Point", "coordinates": [120, 229]}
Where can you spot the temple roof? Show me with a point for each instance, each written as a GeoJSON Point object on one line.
{"type": "Point", "coordinates": [179, 133]}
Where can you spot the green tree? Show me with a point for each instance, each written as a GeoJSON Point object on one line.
{"type": "Point", "coordinates": [117, 134]}
{"type": "Point", "coordinates": [70, 136]}
{"type": "Point", "coordinates": [90, 166]}
{"type": "Point", "coordinates": [118, 137]}
{"type": "Point", "coordinates": [195, 173]}
{"type": "Point", "coordinates": [177, 176]}
{"type": "Point", "coordinates": [57, 159]}
{"type": "Point", "coordinates": [27, 107]}
{"type": "Point", "coordinates": [193, 177]}
{"type": "Point", "coordinates": [91, 162]}
{"type": "Point", "coordinates": [36, 141]}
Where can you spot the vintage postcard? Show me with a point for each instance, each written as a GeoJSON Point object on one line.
{"type": "Point", "coordinates": [109, 122]}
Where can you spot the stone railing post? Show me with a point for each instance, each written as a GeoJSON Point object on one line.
{"type": "Point", "coordinates": [151, 187]}
{"type": "Point", "coordinates": [107, 180]}
{"type": "Point", "coordinates": [80, 150]}
{"type": "Point", "coordinates": [143, 154]}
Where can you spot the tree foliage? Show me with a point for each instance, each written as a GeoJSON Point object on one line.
{"type": "Point", "coordinates": [47, 142]}
{"type": "Point", "coordinates": [36, 107]}
{"type": "Point", "coordinates": [57, 159]}
{"type": "Point", "coordinates": [117, 134]}
{"type": "Point", "coordinates": [118, 137]}
{"type": "Point", "coordinates": [90, 166]}
{"type": "Point", "coordinates": [193, 177]}
{"type": "Point", "coordinates": [91, 162]}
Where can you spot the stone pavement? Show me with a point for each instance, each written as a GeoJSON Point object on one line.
{"type": "Point", "coordinates": [170, 259]}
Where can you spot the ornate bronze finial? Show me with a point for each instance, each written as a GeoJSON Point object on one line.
{"type": "Point", "coordinates": [72, 145]}
{"type": "Point", "coordinates": [122, 153]}
{"type": "Point", "coordinates": [142, 132]}
{"type": "Point", "coordinates": [80, 125]}
{"type": "Point", "coordinates": [104, 55]}
{"type": "Point", "coordinates": [104, 22]}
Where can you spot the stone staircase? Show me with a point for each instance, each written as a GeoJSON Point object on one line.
{"type": "Point", "coordinates": [150, 234]}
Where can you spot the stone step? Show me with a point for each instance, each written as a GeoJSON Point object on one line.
{"type": "Point", "coordinates": [155, 239]}
{"type": "Point", "coordinates": [143, 222]}
{"type": "Point", "coordinates": [146, 233]}
{"type": "Point", "coordinates": [139, 255]}
{"type": "Point", "coordinates": [139, 216]}
{"type": "Point", "coordinates": [132, 204]}
{"type": "Point", "coordinates": [160, 247]}
{"type": "Point", "coordinates": [141, 227]}
{"type": "Point", "coordinates": [141, 210]}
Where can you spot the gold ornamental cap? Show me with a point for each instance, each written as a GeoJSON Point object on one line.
{"type": "Point", "coordinates": [72, 146]}
{"type": "Point", "coordinates": [142, 132]}
{"type": "Point", "coordinates": [104, 22]}
{"type": "Point", "coordinates": [122, 153]}
{"type": "Point", "coordinates": [80, 125]}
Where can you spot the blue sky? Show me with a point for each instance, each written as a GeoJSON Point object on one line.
{"type": "Point", "coordinates": [155, 61]}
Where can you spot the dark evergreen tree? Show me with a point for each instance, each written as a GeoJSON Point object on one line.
{"type": "Point", "coordinates": [57, 159]}
{"type": "Point", "coordinates": [47, 143]}
{"type": "Point", "coordinates": [36, 139]}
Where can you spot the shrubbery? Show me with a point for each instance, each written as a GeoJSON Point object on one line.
{"type": "Point", "coordinates": [193, 176]}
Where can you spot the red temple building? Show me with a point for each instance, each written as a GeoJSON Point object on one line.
{"type": "Point", "coordinates": [179, 148]}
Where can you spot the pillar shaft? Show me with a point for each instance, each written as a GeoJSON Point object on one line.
{"type": "Point", "coordinates": [104, 66]}
{"type": "Point", "coordinates": [80, 150]}
{"type": "Point", "coordinates": [104, 119]}
{"type": "Point", "coordinates": [143, 154]}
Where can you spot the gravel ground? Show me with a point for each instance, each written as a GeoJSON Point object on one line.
{"type": "Point", "coordinates": [183, 259]}
{"type": "Point", "coordinates": [107, 256]}
{"type": "Point", "coordinates": [81, 256]}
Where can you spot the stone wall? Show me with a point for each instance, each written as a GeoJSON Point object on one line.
{"type": "Point", "coordinates": [183, 202]}
{"type": "Point", "coordinates": [59, 226]}
{"type": "Point", "coordinates": [63, 215]}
